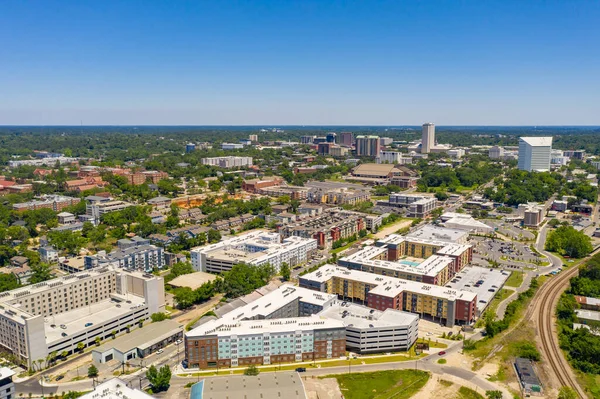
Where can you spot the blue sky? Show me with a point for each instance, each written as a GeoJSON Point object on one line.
{"type": "Point", "coordinates": [305, 62]}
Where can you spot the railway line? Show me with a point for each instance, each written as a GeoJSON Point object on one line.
{"type": "Point", "coordinates": [542, 311]}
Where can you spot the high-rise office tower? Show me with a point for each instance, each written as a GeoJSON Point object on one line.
{"type": "Point", "coordinates": [347, 138]}
{"type": "Point", "coordinates": [367, 146]}
{"type": "Point", "coordinates": [331, 137]}
{"type": "Point", "coordinates": [534, 153]}
{"type": "Point", "coordinates": [428, 138]}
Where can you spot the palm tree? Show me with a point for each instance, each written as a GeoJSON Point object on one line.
{"type": "Point", "coordinates": [128, 328]}
{"type": "Point", "coordinates": [97, 340]}
{"type": "Point", "coordinates": [40, 361]}
{"type": "Point", "coordinates": [64, 354]}
{"type": "Point", "coordinates": [80, 346]}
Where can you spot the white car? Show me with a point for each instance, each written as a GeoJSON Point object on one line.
{"type": "Point", "coordinates": [159, 351]}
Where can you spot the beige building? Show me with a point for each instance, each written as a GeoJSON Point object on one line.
{"type": "Point", "coordinates": [427, 138]}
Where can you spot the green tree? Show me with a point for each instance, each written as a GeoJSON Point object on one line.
{"type": "Point", "coordinates": [567, 393]}
{"type": "Point", "coordinates": [160, 379]}
{"type": "Point", "coordinates": [252, 370]}
{"type": "Point", "coordinates": [40, 272]}
{"type": "Point", "coordinates": [92, 371]}
{"type": "Point", "coordinates": [8, 281]}
{"type": "Point", "coordinates": [184, 297]}
{"type": "Point", "coordinates": [159, 316]}
{"type": "Point", "coordinates": [493, 394]}
{"type": "Point", "coordinates": [80, 346]}
{"type": "Point", "coordinates": [213, 236]}
{"type": "Point", "coordinates": [285, 272]}
{"type": "Point", "coordinates": [567, 241]}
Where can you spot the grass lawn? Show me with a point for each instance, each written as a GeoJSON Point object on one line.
{"type": "Point", "coordinates": [399, 384]}
{"type": "Point", "coordinates": [468, 393]}
{"type": "Point", "coordinates": [514, 280]}
{"type": "Point", "coordinates": [432, 344]}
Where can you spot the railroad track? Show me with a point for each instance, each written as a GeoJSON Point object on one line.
{"type": "Point", "coordinates": [543, 308]}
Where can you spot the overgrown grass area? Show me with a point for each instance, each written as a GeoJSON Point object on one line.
{"type": "Point", "coordinates": [432, 344]}
{"type": "Point", "coordinates": [468, 393]}
{"type": "Point", "coordinates": [399, 384]}
{"type": "Point", "coordinates": [514, 280]}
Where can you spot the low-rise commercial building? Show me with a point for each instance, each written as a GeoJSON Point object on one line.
{"type": "Point", "coordinates": [255, 248]}
{"type": "Point", "coordinates": [254, 185]}
{"type": "Point", "coordinates": [439, 303]}
{"type": "Point", "coordinates": [139, 343]}
{"type": "Point", "coordinates": [61, 314]}
{"type": "Point", "coordinates": [7, 386]}
{"type": "Point", "coordinates": [115, 388]}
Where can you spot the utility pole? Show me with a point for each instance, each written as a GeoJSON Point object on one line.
{"type": "Point", "coordinates": [42, 384]}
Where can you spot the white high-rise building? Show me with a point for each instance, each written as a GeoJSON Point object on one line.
{"type": "Point", "coordinates": [534, 153]}
{"type": "Point", "coordinates": [428, 138]}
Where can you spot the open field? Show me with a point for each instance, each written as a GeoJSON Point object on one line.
{"type": "Point", "coordinates": [399, 384]}
{"type": "Point", "coordinates": [515, 279]}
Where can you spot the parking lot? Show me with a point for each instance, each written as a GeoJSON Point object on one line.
{"type": "Point", "coordinates": [511, 230]}
{"type": "Point", "coordinates": [509, 255]}
{"type": "Point", "coordinates": [481, 281]}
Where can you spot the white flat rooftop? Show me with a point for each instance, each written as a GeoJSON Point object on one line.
{"type": "Point", "coordinates": [115, 389]}
{"type": "Point", "coordinates": [221, 327]}
{"type": "Point", "coordinates": [538, 141]}
{"type": "Point", "coordinates": [358, 316]}
{"type": "Point", "coordinates": [98, 313]}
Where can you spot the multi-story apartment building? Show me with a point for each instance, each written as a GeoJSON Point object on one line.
{"type": "Point", "coordinates": [54, 202]}
{"type": "Point", "coordinates": [338, 196]}
{"type": "Point", "coordinates": [135, 179]}
{"type": "Point", "coordinates": [255, 248]}
{"type": "Point", "coordinates": [439, 303]}
{"type": "Point", "coordinates": [307, 139]}
{"type": "Point", "coordinates": [264, 342]}
{"type": "Point", "coordinates": [367, 146]}
{"type": "Point", "coordinates": [338, 151]}
{"type": "Point", "coordinates": [132, 254]}
{"type": "Point", "coordinates": [228, 162]}
{"type": "Point", "coordinates": [534, 153]}
{"type": "Point", "coordinates": [533, 215]}
{"type": "Point", "coordinates": [327, 227]}
{"type": "Point", "coordinates": [57, 315]}
{"type": "Point", "coordinates": [294, 192]}
{"type": "Point", "coordinates": [154, 176]}
{"type": "Point", "coordinates": [97, 206]}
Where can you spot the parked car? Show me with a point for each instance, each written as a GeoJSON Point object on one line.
{"type": "Point", "coordinates": [159, 351]}
{"type": "Point", "coordinates": [300, 369]}
{"type": "Point", "coordinates": [60, 377]}
{"type": "Point", "coordinates": [442, 353]}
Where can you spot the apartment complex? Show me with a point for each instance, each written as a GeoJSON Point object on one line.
{"type": "Point", "coordinates": [132, 254]}
{"type": "Point", "coordinates": [447, 305]}
{"type": "Point", "coordinates": [327, 227]}
{"type": "Point", "coordinates": [338, 196]}
{"type": "Point", "coordinates": [265, 342]}
{"type": "Point", "coordinates": [54, 202]}
{"type": "Point", "coordinates": [294, 192]}
{"type": "Point", "coordinates": [367, 146]}
{"type": "Point", "coordinates": [442, 260]}
{"type": "Point", "coordinates": [97, 206]}
{"type": "Point", "coordinates": [534, 153]}
{"type": "Point", "coordinates": [255, 248]}
{"type": "Point", "coordinates": [59, 314]}
{"type": "Point", "coordinates": [347, 139]}
{"type": "Point", "coordinates": [228, 162]}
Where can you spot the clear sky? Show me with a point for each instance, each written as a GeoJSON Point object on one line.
{"type": "Point", "coordinates": [451, 62]}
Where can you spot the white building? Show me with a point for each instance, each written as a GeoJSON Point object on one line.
{"type": "Point", "coordinates": [228, 162]}
{"type": "Point", "coordinates": [456, 153]}
{"type": "Point", "coordinates": [557, 158]}
{"type": "Point", "coordinates": [374, 331]}
{"type": "Point", "coordinates": [465, 222]}
{"type": "Point", "coordinates": [7, 386]}
{"type": "Point", "coordinates": [427, 138]}
{"type": "Point", "coordinates": [60, 314]}
{"type": "Point", "coordinates": [231, 146]}
{"type": "Point", "coordinates": [254, 248]}
{"type": "Point", "coordinates": [534, 153]}
{"type": "Point", "coordinates": [43, 162]}
{"type": "Point", "coordinates": [496, 152]}
{"type": "Point", "coordinates": [393, 157]}
{"type": "Point", "coordinates": [115, 389]}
